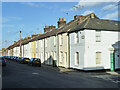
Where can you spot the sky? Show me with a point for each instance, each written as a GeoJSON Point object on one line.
{"type": "Point", "coordinates": [31, 17]}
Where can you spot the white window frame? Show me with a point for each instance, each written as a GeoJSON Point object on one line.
{"type": "Point", "coordinates": [46, 42]}
{"type": "Point", "coordinates": [54, 40]}
{"type": "Point", "coordinates": [98, 59]}
{"type": "Point", "coordinates": [77, 58]}
{"type": "Point", "coordinates": [61, 57]}
{"type": "Point", "coordinates": [98, 36]}
{"type": "Point", "coordinates": [55, 55]}
{"type": "Point", "coordinates": [61, 39]}
{"type": "Point", "coordinates": [76, 36]}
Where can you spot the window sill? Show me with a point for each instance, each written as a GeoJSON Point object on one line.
{"type": "Point", "coordinates": [76, 65]}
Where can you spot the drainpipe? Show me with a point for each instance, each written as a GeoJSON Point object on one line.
{"type": "Point", "coordinates": [57, 47]}
{"type": "Point", "coordinates": [44, 50]}
{"type": "Point", "coordinates": [68, 50]}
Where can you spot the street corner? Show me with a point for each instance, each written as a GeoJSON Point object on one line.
{"type": "Point", "coordinates": [112, 73]}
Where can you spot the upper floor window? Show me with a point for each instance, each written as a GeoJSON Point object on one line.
{"type": "Point", "coordinates": [46, 42]}
{"type": "Point", "coordinates": [98, 36]}
{"type": "Point", "coordinates": [76, 37]}
{"type": "Point", "coordinates": [41, 43]}
{"type": "Point", "coordinates": [36, 44]}
{"type": "Point", "coordinates": [54, 40]}
{"type": "Point", "coordinates": [61, 56]}
{"type": "Point", "coordinates": [61, 39]}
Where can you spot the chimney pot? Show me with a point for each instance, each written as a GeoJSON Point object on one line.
{"type": "Point", "coordinates": [63, 19]}
{"type": "Point", "coordinates": [92, 15]}
{"type": "Point", "coordinates": [61, 22]}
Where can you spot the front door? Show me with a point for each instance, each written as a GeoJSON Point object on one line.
{"type": "Point", "coordinates": [98, 58]}
{"type": "Point", "coordinates": [65, 58]}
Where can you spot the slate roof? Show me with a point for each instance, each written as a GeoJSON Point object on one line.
{"type": "Point", "coordinates": [97, 24]}
{"type": "Point", "coordinates": [47, 34]}
{"type": "Point", "coordinates": [85, 22]}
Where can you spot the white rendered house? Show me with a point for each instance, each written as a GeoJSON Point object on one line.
{"type": "Point", "coordinates": [90, 43]}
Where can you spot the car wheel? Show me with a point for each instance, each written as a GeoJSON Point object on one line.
{"type": "Point", "coordinates": [40, 65]}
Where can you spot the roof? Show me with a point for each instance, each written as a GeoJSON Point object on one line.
{"type": "Point", "coordinates": [96, 24]}
{"type": "Point", "coordinates": [90, 21]}
{"type": "Point", "coordinates": [47, 34]}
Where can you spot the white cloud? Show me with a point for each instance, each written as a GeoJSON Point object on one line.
{"type": "Point", "coordinates": [87, 12]}
{"type": "Point", "coordinates": [111, 15]}
{"type": "Point", "coordinates": [83, 4]}
{"type": "Point", "coordinates": [110, 7]}
{"type": "Point", "coordinates": [32, 4]}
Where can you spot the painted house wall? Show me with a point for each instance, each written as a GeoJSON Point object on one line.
{"type": "Point", "coordinates": [41, 50]}
{"type": "Point", "coordinates": [88, 47]}
{"type": "Point", "coordinates": [54, 48]}
{"type": "Point", "coordinates": [37, 49]}
{"type": "Point", "coordinates": [63, 50]}
{"type": "Point", "coordinates": [25, 50]}
{"type": "Point", "coordinates": [22, 50]}
{"type": "Point", "coordinates": [34, 49]}
{"type": "Point", "coordinates": [29, 48]}
{"type": "Point", "coordinates": [77, 47]}
{"type": "Point", "coordinates": [117, 54]}
{"type": "Point", "coordinates": [48, 51]}
{"type": "Point", "coordinates": [108, 38]}
{"type": "Point", "coordinates": [18, 51]}
{"type": "Point", "coordinates": [14, 51]}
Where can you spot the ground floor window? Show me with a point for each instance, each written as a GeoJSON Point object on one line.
{"type": "Point", "coordinates": [55, 55]}
{"type": "Point", "coordinates": [76, 58]}
{"type": "Point", "coordinates": [61, 56]}
{"type": "Point", "coordinates": [98, 57]}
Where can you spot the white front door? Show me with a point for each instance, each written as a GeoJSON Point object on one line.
{"type": "Point", "coordinates": [65, 59]}
{"type": "Point", "coordinates": [98, 58]}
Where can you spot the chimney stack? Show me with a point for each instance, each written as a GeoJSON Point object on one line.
{"type": "Point", "coordinates": [34, 35]}
{"type": "Point", "coordinates": [92, 15]}
{"type": "Point", "coordinates": [28, 37]}
{"type": "Point", "coordinates": [61, 22]}
{"type": "Point", "coordinates": [78, 17]}
{"type": "Point", "coordinates": [48, 28]}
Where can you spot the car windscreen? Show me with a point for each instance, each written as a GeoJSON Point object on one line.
{"type": "Point", "coordinates": [36, 59]}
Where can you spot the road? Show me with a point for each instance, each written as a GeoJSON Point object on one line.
{"type": "Point", "coordinates": [16, 75]}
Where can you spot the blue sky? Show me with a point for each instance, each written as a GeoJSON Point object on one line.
{"type": "Point", "coordinates": [31, 17]}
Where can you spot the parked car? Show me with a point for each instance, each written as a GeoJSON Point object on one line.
{"type": "Point", "coordinates": [35, 62]}
{"type": "Point", "coordinates": [18, 59]}
{"type": "Point", "coordinates": [24, 60]}
{"type": "Point", "coordinates": [2, 61]}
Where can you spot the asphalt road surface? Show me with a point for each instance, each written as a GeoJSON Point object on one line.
{"type": "Point", "coordinates": [16, 75]}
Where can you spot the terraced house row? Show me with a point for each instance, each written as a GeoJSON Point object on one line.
{"type": "Point", "coordinates": [85, 43]}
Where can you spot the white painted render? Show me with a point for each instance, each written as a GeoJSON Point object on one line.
{"type": "Point", "coordinates": [88, 47]}
{"type": "Point", "coordinates": [40, 48]}
{"type": "Point", "coordinates": [77, 47]}
{"type": "Point", "coordinates": [63, 53]}
{"type": "Point", "coordinates": [29, 48]}
{"type": "Point", "coordinates": [48, 49]}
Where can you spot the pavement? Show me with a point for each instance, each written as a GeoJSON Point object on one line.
{"type": "Point", "coordinates": [16, 75]}
{"type": "Point", "coordinates": [63, 70]}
